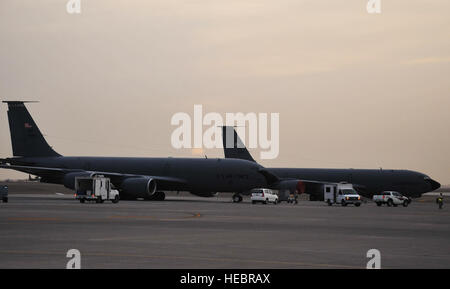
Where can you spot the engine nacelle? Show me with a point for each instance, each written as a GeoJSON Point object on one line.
{"type": "Point", "coordinates": [69, 179]}
{"type": "Point", "coordinates": [290, 185]}
{"type": "Point", "coordinates": [140, 187]}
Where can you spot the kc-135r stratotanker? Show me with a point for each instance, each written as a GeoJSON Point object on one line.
{"type": "Point", "coordinates": [149, 177]}
{"type": "Point", "coordinates": [366, 181]}
{"type": "Point", "coordinates": [146, 178]}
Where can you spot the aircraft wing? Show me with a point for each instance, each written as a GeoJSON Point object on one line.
{"type": "Point", "coordinates": [38, 171]}
{"type": "Point", "coordinates": [164, 182]}
{"type": "Point", "coordinates": [274, 179]}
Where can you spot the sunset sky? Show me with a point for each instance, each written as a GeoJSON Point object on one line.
{"type": "Point", "coordinates": [353, 90]}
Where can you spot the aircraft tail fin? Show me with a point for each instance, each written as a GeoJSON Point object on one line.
{"type": "Point", "coordinates": [26, 138]}
{"type": "Point", "coordinates": [235, 149]}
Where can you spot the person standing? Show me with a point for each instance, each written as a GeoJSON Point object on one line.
{"type": "Point", "coordinates": [440, 201]}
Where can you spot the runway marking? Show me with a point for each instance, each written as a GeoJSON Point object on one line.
{"type": "Point", "coordinates": [191, 216]}
{"type": "Point", "coordinates": [131, 217]}
{"type": "Point", "coordinates": [124, 217]}
{"type": "Point", "coordinates": [106, 254]}
{"type": "Point", "coordinates": [33, 219]}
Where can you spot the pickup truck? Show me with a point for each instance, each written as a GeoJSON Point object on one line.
{"type": "Point", "coordinates": [391, 198]}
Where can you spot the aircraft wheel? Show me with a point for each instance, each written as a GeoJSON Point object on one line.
{"type": "Point", "coordinates": [161, 196]}
{"type": "Point", "coordinates": [237, 198]}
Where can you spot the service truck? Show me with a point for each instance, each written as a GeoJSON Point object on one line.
{"type": "Point", "coordinates": [96, 188]}
{"type": "Point", "coordinates": [341, 193]}
{"type": "Point", "coordinates": [391, 198]}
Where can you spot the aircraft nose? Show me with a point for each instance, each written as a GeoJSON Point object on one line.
{"type": "Point", "coordinates": [433, 184]}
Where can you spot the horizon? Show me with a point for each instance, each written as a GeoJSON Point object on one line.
{"type": "Point", "coordinates": [353, 90]}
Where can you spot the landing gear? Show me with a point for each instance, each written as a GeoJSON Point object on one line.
{"type": "Point", "coordinates": [237, 198]}
{"type": "Point", "coordinates": [159, 196]}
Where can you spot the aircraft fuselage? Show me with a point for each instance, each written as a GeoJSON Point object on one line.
{"type": "Point", "coordinates": [201, 175]}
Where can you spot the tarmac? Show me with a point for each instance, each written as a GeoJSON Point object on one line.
{"type": "Point", "coordinates": [40, 223]}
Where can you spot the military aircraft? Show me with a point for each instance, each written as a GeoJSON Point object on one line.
{"type": "Point", "coordinates": [146, 178]}
{"type": "Point", "coordinates": [366, 181]}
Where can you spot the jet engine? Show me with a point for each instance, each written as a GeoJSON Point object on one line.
{"type": "Point", "coordinates": [139, 187]}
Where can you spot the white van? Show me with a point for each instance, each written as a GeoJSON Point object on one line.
{"type": "Point", "coordinates": [264, 196]}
